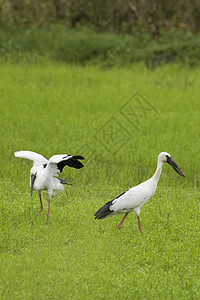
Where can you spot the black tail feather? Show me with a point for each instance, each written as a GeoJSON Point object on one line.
{"type": "Point", "coordinates": [104, 211]}
{"type": "Point", "coordinates": [63, 181]}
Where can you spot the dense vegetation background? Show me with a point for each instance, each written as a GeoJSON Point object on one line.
{"type": "Point", "coordinates": [113, 32]}
{"type": "Point", "coordinates": [116, 16]}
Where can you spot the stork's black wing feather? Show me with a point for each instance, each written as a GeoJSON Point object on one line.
{"type": "Point", "coordinates": [104, 211]}
{"type": "Point", "coordinates": [72, 162]}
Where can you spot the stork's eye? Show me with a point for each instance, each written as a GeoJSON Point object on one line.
{"type": "Point", "coordinates": [167, 156]}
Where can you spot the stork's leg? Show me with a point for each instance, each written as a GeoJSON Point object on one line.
{"type": "Point", "coordinates": [139, 225]}
{"type": "Point", "coordinates": [120, 224]}
{"type": "Point", "coordinates": [41, 207]}
{"type": "Point", "coordinates": [48, 211]}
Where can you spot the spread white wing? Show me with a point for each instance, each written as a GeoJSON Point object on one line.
{"type": "Point", "coordinates": [37, 159]}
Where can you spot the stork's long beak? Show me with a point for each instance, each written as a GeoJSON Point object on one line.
{"type": "Point", "coordinates": [175, 166]}
{"type": "Point", "coordinates": [33, 177]}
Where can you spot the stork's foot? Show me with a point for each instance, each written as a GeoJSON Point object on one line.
{"type": "Point", "coordinates": [139, 225]}
{"type": "Point", "coordinates": [120, 224]}
{"type": "Point", "coordinates": [48, 213]}
{"type": "Point", "coordinates": [47, 218]}
{"type": "Point", "coordinates": [32, 221]}
{"type": "Point", "coordinates": [119, 227]}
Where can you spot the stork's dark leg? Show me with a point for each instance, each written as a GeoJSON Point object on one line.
{"type": "Point", "coordinates": [48, 211]}
{"type": "Point", "coordinates": [120, 224]}
{"type": "Point", "coordinates": [41, 207]}
{"type": "Point", "coordinates": [139, 225]}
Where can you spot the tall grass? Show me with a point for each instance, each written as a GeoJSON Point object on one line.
{"type": "Point", "coordinates": [54, 108]}
{"type": "Point", "coordinates": [85, 46]}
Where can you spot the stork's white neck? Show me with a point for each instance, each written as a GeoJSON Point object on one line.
{"type": "Point", "coordinates": [158, 171]}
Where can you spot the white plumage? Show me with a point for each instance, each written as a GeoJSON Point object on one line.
{"type": "Point", "coordinates": [44, 171]}
{"type": "Point", "coordinates": [134, 198]}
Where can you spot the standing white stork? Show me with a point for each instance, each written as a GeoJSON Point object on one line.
{"type": "Point", "coordinates": [134, 198]}
{"type": "Point", "coordinates": [43, 172]}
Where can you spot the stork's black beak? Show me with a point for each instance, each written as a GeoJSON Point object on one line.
{"type": "Point", "coordinates": [33, 177]}
{"type": "Point", "coordinates": [175, 166]}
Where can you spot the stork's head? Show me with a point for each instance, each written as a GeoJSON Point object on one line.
{"type": "Point", "coordinates": [32, 178]}
{"type": "Point", "coordinates": [166, 157]}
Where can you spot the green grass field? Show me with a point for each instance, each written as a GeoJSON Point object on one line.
{"type": "Point", "coordinates": [120, 119]}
